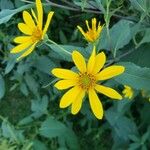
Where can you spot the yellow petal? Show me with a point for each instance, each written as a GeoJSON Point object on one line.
{"type": "Point", "coordinates": [65, 84]}
{"type": "Point", "coordinates": [77, 103]}
{"type": "Point", "coordinates": [28, 19]}
{"type": "Point", "coordinates": [110, 72]}
{"type": "Point", "coordinates": [25, 29]}
{"type": "Point", "coordinates": [81, 30]}
{"type": "Point", "coordinates": [100, 28]}
{"type": "Point", "coordinates": [34, 16]}
{"type": "Point", "coordinates": [22, 39]}
{"type": "Point", "coordinates": [91, 62]}
{"type": "Point", "coordinates": [99, 62]}
{"type": "Point", "coordinates": [47, 22]}
{"type": "Point", "coordinates": [94, 24]}
{"type": "Point", "coordinates": [95, 104]}
{"type": "Point", "coordinates": [87, 24]}
{"type": "Point", "coordinates": [64, 73]}
{"type": "Point", "coordinates": [27, 52]}
{"type": "Point", "coordinates": [79, 61]}
{"type": "Point", "coordinates": [20, 47]}
{"type": "Point", "coordinates": [69, 97]}
{"type": "Point", "coordinates": [108, 92]}
{"type": "Point", "coordinates": [39, 13]}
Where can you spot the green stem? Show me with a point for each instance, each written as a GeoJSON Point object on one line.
{"type": "Point", "coordinates": [52, 42]}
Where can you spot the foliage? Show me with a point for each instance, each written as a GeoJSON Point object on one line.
{"type": "Point", "coordinates": [29, 102]}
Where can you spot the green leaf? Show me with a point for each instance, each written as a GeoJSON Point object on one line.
{"type": "Point", "coordinates": [31, 83]}
{"type": "Point", "coordinates": [141, 5]}
{"type": "Point", "coordinates": [134, 146]}
{"type": "Point", "coordinates": [7, 14]}
{"type": "Point", "coordinates": [120, 35]}
{"type": "Point", "coordinates": [40, 105]}
{"type": "Point", "coordinates": [134, 76]}
{"type": "Point", "coordinates": [38, 145]}
{"type": "Point", "coordinates": [140, 56]}
{"type": "Point", "coordinates": [100, 6]}
{"type": "Point", "coordinates": [64, 52]}
{"type": "Point", "coordinates": [10, 64]}
{"type": "Point", "coordinates": [44, 64]}
{"type": "Point", "coordinates": [2, 87]}
{"type": "Point", "coordinates": [62, 37]}
{"type": "Point", "coordinates": [122, 125]}
{"type": "Point", "coordinates": [146, 37]}
{"type": "Point", "coordinates": [30, 118]}
{"type": "Point", "coordinates": [6, 4]}
{"type": "Point", "coordinates": [24, 89]}
{"type": "Point", "coordinates": [9, 131]}
{"type": "Point", "coordinates": [52, 128]}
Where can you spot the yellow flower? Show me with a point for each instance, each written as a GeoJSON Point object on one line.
{"type": "Point", "coordinates": [86, 81]}
{"type": "Point", "coordinates": [128, 92]}
{"type": "Point", "coordinates": [93, 33]}
{"type": "Point", "coordinates": [33, 30]}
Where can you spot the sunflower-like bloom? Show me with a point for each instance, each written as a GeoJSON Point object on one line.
{"type": "Point", "coordinates": [33, 30]}
{"type": "Point", "coordinates": [93, 33]}
{"type": "Point", "coordinates": [86, 82]}
{"type": "Point", "coordinates": [128, 92]}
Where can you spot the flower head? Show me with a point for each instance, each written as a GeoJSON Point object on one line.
{"type": "Point", "coordinates": [33, 30]}
{"type": "Point", "coordinates": [86, 82]}
{"type": "Point", "coordinates": [93, 33]}
{"type": "Point", "coordinates": [128, 92]}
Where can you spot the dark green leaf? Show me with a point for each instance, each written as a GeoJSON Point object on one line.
{"type": "Point", "coordinates": [134, 76]}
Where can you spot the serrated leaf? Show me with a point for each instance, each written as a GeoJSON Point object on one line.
{"type": "Point", "coordinates": [134, 76]}
{"type": "Point", "coordinates": [31, 83]}
{"type": "Point", "coordinates": [52, 128]}
{"type": "Point", "coordinates": [40, 105]}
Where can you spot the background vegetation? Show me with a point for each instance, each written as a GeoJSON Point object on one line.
{"type": "Point", "coordinates": [29, 107]}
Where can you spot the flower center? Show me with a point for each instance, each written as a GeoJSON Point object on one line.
{"type": "Point", "coordinates": [87, 81]}
{"type": "Point", "coordinates": [92, 34]}
{"type": "Point", "coordinates": [36, 34]}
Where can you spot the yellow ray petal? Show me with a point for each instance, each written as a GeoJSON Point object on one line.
{"type": "Point", "coordinates": [34, 16]}
{"type": "Point", "coordinates": [39, 13]}
{"type": "Point", "coordinates": [99, 62]}
{"type": "Point", "coordinates": [108, 92]}
{"type": "Point", "coordinates": [65, 84]}
{"type": "Point", "coordinates": [69, 97]}
{"type": "Point", "coordinates": [95, 104]}
{"type": "Point", "coordinates": [81, 30]}
{"type": "Point", "coordinates": [79, 61]}
{"type": "Point", "coordinates": [28, 19]}
{"type": "Point", "coordinates": [94, 24]}
{"type": "Point", "coordinates": [27, 52]}
{"type": "Point", "coordinates": [20, 47]}
{"type": "Point", "coordinates": [110, 72]}
{"type": "Point", "coordinates": [22, 39]}
{"type": "Point", "coordinates": [77, 103]}
{"type": "Point", "coordinates": [47, 22]}
{"type": "Point", "coordinates": [91, 62]}
{"type": "Point", "coordinates": [25, 29]}
{"type": "Point", "coordinates": [87, 24]}
{"type": "Point", "coordinates": [100, 28]}
{"type": "Point", "coordinates": [64, 73]}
